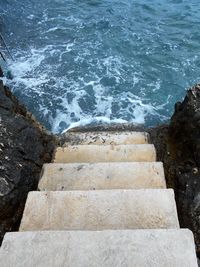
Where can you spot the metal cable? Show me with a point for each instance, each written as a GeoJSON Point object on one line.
{"type": "Point", "coordinates": [1, 37]}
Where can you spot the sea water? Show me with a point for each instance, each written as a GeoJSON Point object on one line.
{"type": "Point", "coordinates": [87, 61]}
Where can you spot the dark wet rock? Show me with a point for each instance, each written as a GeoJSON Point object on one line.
{"type": "Point", "coordinates": [178, 146]}
{"type": "Point", "coordinates": [24, 147]}
{"type": "Point", "coordinates": [109, 127]}
{"type": "Point", "coordinates": [1, 72]}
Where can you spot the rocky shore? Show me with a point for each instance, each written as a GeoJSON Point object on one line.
{"type": "Point", "coordinates": [178, 147]}
{"type": "Point", "coordinates": [25, 146]}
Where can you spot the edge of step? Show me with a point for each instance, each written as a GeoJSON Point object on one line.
{"type": "Point", "coordinates": [106, 137]}
{"type": "Point", "coordinates": [106, 153]}
{"type": "Point", "coordinates": [144, 248]}
{"type": "Point", "coordinates": [100, 210]}
{"type": "Point", "coordinates": [101, 176]}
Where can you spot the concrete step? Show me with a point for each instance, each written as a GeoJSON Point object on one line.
{"type": "Point", "coordinates": [106, 138]}
{"type": "Point", "coordinates": [106, 153]}
{"type": "Point", "coordinates": [90, 176]}
{"type": "Point", "coordinates": [100, 210]}
{"type": "Point", "coordinates": [128, 248]}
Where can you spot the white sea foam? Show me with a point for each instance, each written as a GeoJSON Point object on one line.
{"type": "Point", "coordinates": [69, 85]}
{"type": "Point", "coordinates": [63, 111]}
{"type": "Point", "coordinates": [26, 64]}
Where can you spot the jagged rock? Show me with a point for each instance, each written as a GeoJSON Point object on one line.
{"type": "Point", "coordinates": [24, 147]}
{"type": "Point", "coordinates": [1, 72]}
{"type": "Point", "coordinates": [178, 146]}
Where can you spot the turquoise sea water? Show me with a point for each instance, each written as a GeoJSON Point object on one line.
{"type": "Point", "coordinates": [101, 60]}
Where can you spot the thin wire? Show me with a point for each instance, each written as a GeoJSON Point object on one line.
{"type": "Point", "coordinates": [6, 47]}
{"type": "Point", "coordinates": [1, 54]}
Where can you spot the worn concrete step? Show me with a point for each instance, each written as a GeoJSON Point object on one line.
{"type": "Point", "coordinates": [107, 153]}
{"type": "Point", "coordinates": [99, 210]}
{"type": "Point", "coordinates": [106, 137]}
{"type": "Point", "coordinates": [90, 176]}
{"type": "Point", "coordinates": [127, 248]}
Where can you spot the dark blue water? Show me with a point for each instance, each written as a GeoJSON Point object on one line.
{"type": "Point", "coordinates": [109, 60]}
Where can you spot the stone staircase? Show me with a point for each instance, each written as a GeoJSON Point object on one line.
{"type": "Point", "coordinates": [102, 202]}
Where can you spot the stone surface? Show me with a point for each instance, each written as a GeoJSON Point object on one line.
{"type": "Point", "coordinates": [106, 138]}
{"type": "Point", "coordinates": [106, 153]}
{"type": "Point", "coordinates": [24, 147]}
{"type": "Point", "coordinates": [99, 210]}
{"type": "Point", "coordinates": [89, 176]}
{"type": "Point", "coordinates": [128, 248]}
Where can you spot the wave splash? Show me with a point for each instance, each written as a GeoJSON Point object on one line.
{"type": "Point", "coordinates": [65, 101]}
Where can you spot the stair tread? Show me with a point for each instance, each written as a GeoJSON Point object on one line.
{"type": "Point", "coordinates": [113, 175]}
{"type": "Point", "coordinates": [106, 153]}
{"type": "Point", "coordinates": [142, 248]}
{"type": "Point", "coordinates": [107, 137]}
{"type": "Point", "coordinates": [100, 209]}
